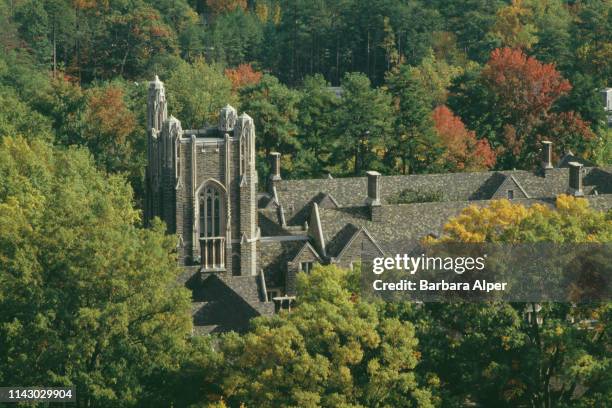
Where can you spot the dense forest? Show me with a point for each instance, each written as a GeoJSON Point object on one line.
{"type": "Point", "coordinates": [90, 299]}
{"type": "Point", "coordinates": [426, 85]}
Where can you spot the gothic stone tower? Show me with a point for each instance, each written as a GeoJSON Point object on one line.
{"type": "Point", "coordinates": [203, 184]}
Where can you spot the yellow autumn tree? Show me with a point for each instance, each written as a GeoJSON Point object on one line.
{"type": "Point", "coordinates": [523, 354]}
{"type": "Point", "coordinates": [571, 220]}
{"type": "Point", "coordinates": [513, 26]}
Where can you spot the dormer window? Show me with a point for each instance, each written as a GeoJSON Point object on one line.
{"type": "Point", "coordinates": [510, 194]}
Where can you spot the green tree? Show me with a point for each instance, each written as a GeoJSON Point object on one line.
{"type": "Point", "coordinates": [363, 121]}
{"type": "Point", "coordinates": [416, 146]}
{"type": "Point", "coordinates": [33, 23]}
{"type": "Point", "coordinates": [88, 298]}
{"type": "Point", "coordinates": [196, 92]}
{"type": "Point", "coordinates": [17, 117]}
{"type": "Point", "coordinates": [316, 123]}
{"type": "Point", "coordinates": [592, 39]}
{"type": "Point", "coordinates": [493, 354]}
{"type": "Point", "coordinates": [234, 38]}
{"type": "Point", "coordinates": [471, 21]}
{"type": "Point", "coordinates": [585, 99]}
{"type": "Point", "coordinates": [553, 23]}
{"type": "Point", "coordinates": [436, 77]}
{"type": "Point", "coordinates": [273, 108]}
{"type": "Point", "coordinates": [331, 350]}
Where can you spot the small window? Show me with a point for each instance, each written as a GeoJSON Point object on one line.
{"type": "Point", "coordinates": [306, 266]}
{"type": "Point", "coordinates": [510, 194]}
{"type": "Point", "coordinates": [272, 294]}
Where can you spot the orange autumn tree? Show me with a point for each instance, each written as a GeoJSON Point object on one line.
{"type": "Point", "coordinates": [463, 150]}
{"type": "Point", "coordinates": [522, 93]}
{"type": "Point", "coordinates": [242, 75]}
{"type": "Point", "coordinates": [110, 131]}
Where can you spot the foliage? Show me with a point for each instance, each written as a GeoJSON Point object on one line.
{"type": "Point", "coordinates": [492, 354]}
{"type": "Point", "coordinates": [16, 117]}
{"type": "Point", "coordinates": [108, 126]}
{"type": "Point", "coordinates": [317, 124]}
{"type": "Point", "coordinates": [513, 27]}
{"type": "Point", "coordinates": [273, 108]}
{"type": "Point", "coordinates": [440, 43]}
{"type": "Point", "coordinates": [89, 299]}
{"type": "Point", "coordinates": [416, 146]}
{"type": "Point", "coordinates": [234, 38]}
{"type": "Point", "coordinates": [463, 150]}
{"type": "Point", "coordinates": [196, 92]}
{"type": "Point", "coordinates": [570, 221]}
{"type": "Point", "coordinates": [331, 350]}
{"type": "Point", "coordinates": [242, 75]}
{"type": "Point", "coordinates": [602, 153]}
{"type": "Point", "coordinates": [515, 97]}
{"type": "Point", "coordinates": [436, 76]}
{"type": "Point", "coordinates": [363, 123]}
{"type": "Point", "coordinates": [217, 7]}
{"type": "Point", "coordinates": [409, 196]}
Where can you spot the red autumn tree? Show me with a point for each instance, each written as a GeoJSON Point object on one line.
{"type": "Point", "coordinates": [243, 75]}
{"type": "Point", "coordinates": [523, 92]}
{"type": "Point", "coordinates": [463, 150]}
{"type": "Point", "coordinates": [525, 89]}
{"type": "Point", "coordinates": [570, 131]}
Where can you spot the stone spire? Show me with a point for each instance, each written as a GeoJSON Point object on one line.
{"type": "Point", "coordinates": [227, 118]}
{"type": "Point", "coordinates": [157, 111]}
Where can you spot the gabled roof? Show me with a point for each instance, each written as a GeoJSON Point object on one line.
{"type": "Point", "coordinates": [326, 200]}
{"type": "Point", "coordinates": [510, 183]}
{"type": "Point", "coordinates": [570, 157]}
{"type": "Point", "coordinates": [356, 233]}
{"type": "Point", "coordinates": [306, 248]}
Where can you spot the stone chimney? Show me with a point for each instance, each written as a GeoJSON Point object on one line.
{"type": "Point", "coordinates": [275, 166]}
{"type": "Point", "coordinates": [547, 155]}
{"type": "Point", "coordinates": [373, 201]}
{"type": "Point", "coordinates": [575, 178]}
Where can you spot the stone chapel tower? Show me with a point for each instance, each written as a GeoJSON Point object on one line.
{"type": "Point", "coordinates": [203, 184]}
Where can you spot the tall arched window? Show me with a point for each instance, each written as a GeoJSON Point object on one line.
{"type": "Point", "coordinates": [243, 155]}
{"type": "Point", "coordinates": [212, 228]}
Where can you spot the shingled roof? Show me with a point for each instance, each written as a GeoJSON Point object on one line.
{"type": "Point", "coordinates": [297, 196]}
{"type": "Point", "coordinates": [338, 211]}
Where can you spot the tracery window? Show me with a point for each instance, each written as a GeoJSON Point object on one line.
{"type": "Point", "coordinates": [212, 230]}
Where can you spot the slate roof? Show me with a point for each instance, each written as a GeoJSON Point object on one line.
{"type": "Point", "coordinates": [227, 303]}
{"type": "Point", "coordinates": [344, 212]}
{"type": "Point", "coordinates": [570, 157]}
{"type": "Point", "coordinates": [224, 303]}
{"type": "Point", "coordinates": [404, 225]}
{"type": "Point", "coordinates": [272, 258]}
{"type": "Point", "coordinates": [297, 196]}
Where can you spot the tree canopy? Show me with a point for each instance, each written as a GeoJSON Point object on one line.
{"type": "Point", "coordinates": [89, 298]}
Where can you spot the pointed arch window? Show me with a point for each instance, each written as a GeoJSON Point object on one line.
{"type": "Point", "coordinates": [243, 155]}
{"type": "Point", "coordinates": [212, 227]}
